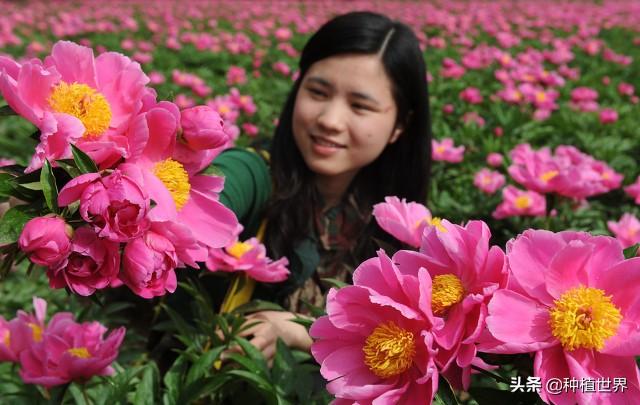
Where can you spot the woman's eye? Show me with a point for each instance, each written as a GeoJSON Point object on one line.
{"type": "Point", "coordinates": [316, 92]}
{"type": "Point", "coordinates": [358, 106]}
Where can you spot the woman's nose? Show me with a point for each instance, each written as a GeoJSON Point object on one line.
{"type": "Point", "coordinates": [332, 117]}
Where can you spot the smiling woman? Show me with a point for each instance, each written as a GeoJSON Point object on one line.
{"type": "Point", "coordinates": [354, 129]}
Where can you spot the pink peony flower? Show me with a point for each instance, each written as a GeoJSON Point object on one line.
{"type": "Point", "coordinates": [148, 265]}
{"type": "Point", "coordinates": [465, 272]}
{"type": "Point", "coordinates": [584, 99]}
{"type": "Point", "coordinates": [445, 151]}
{"type": "Point", "coordinates": [25, 330]}
{"type": "Point", "coordinates": [405, 221]}
{"type": "Point", "coordinates": [375, 343]}
{"type": "Point", "coordinates": [633, 190]}
{"type": "Point", "coordinates": [282, 68]}
{"type": "Point", "coordinates": [568, 300]}
{"type": "Point", "coordinates": [70, 352]}
{"type": "Point", "coordinates": [471, 95]}
{"type": "Point", "coordinates": [172, 181]}
{"type": "Point", "coordinates": [236, 75]}
{"type": "Point", "coordinates": [535, 170]}
{"type": "Point", "coordinates": [520, 203]}
{"type": "Point", "coordinates": [250, 257]}
{"type": "Point", "coordinates": [46, 240]}
{"type": "Point", "coordinates": [75, 98]}
{"type": "Point", "coordinates": [488, 181]}
{"type": "Point", "coordinates": [626, 89]}
{"type": "Point", "coordinates": [494, 159]}
{"type": "Point", "coordinates": [250, 129]}
{"type": "Point", "coordinates": [92, 264]}
{"type": "Point", "coordinates": [608, 116]}
{"type": "Point", "coordinates": [202, 128]}
{"type": "Point", "coordinates": [627, 230]}
{"type": "Point", "coordinates": [6, 353]}
{"type": "Point", "coordinates": [115, 205]}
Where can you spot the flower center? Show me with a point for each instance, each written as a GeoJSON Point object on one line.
{"type": "Point", "coordinates": [79, 352]}
{"type": "Point", "coordinates": [522, 202]}
{"type": "Point", "coordinates": [7, 338]}
{"type": "Point", "coordinates": [584, 318]}
{"type": "Point", "coordinates": [437, 222]}
{"type": "Point", "coordinates": [546, 176]}
{"type": "Point", "coordinates": [238, 249]}
{"type": "Point", "coordinates": [176, 179]}
{"type": "Point", "coordinates": [447, 290]}
{"type": "Point", "coordinates": [36, 330]}
{"type": "Point", "coordinates": [440, 149]}
{"type": "Point", "coordinates": [389, 350]}
{"type": "Point", "coordinates": [84, 103]}
{"type": "Point", "coordinates": [541, 97]}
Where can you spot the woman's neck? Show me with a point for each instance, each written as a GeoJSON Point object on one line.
{"type": "Point", "coordinates": [333, 188]}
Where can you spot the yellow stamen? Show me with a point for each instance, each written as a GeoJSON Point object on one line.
{"type": "Point", "coordinates": [176, 179]}
{"type": "Point", "coordinates": [522, 202]}
{"type": "Point", "coordinates": [541, 97]}
{"type": "Point", "coordinates": [238, 249]}
{"type": "Point", "coordinates": [7, 338]}
{"type": "Point", "coordinates": [605, 175]}
{"type": "Point", "coordinates": [437, 222]}
{"type": "Point", "coordinates": [584, 318]}
{"type": "Point", "coordinates": [80, 352]}
{"type": "Point", "coordinates": [546, 176]}
{"type": "Point", "coordinates": [84, 103]}
{"type": "Point", "coordinates": [446, 291]}
{"type": "Point", "coordinates": [389, 350]}
{"type": "Point", "coordinates": [224, 109]}
{"type": "Point", "coordinates": [36, 331]}
{"type": "Point", "coordinates": [440, 149]}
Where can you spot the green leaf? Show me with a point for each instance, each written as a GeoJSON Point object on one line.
{"type": "Point", "coordinates": [258, 382]}
{"type": "Point", "coordinates": [631, 251]}
{"type": "Point", "coordinates": [148, 385]}
{"type": "Point", "coordinates": [49, 186]}
{"type": "Point", "coordinates": [445, 394]}
{"type": "Point", "coordinates": [84, 163]}
{"type": "Point", "coordinates": [12, 222]}
{"type": "Point", "coordinates": [284, 367]}
{"type": "Point", "coordinates": [201, 387]}
{"type": "Point", "coordinates": [303, 321]}
{"type": "Point", "coordinates": [6, 111]}
{"type": "Point", "coordinates": [213, 170]}
{"type": "Point", "coordinates": [204, 363]}
{"type": "Point", "coordinates": [76, 393]}
{"type": "Point", "coordinates": [69, 166]}
{"type": "Point", "coordinates": [254, 354]}
{"type": "Point", "coordinates": [256, 306]}
{"type": "Point", "coordinates": [7, 185]}
{"type": "Point", "coordinates": [334, 283]}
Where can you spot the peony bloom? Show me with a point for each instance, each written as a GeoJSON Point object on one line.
{"type": "Point", "coordinates": [202, 128]}
{"type": "Point", "coordinates": [250, 257]}
{"type": "Point", "coordinates": [627, 230]}
{"type": "Point", "coordinates": [405, 221]}
{"type": "Point", "coordinates": [494, 159]}
{"type": "Point", "coordinates": [608, 116]}
{"type": "Point", "coordinates": [375, 343]}
{"type": "Point", "coordinates": [236, 75]}
{"type": "Point", "coordinates": [25, 330]}
{"type": "Point", "coordinates": [584, 99]}
{"type": "Point", "coordinates": [488, 181]}
{"type": "Point", "coordinates": [74, 98]}
{"type": "Point", "coordinates": [634, 190]}
{"type": "Point", "coordinates": [445, 151]}
{"type": "Point", "coordinates": [465, 272]}
{"type": "Point", "coordinates": [520, 203]}
{"type": "Point", "coordinates": [46, 240]}
{"type": "Point", "coordinates": [535, 170]}
{"type": "Point", "coordinates": [471, 95]}
{"type": "Point", "coordinates": [568, 300]}
{"type": "Point", "coordinates": [115, 205]}
{"type": "Point", "coordinates": [172, 181]}
{"type": "Point", "coordinates": [6, 354]}
{"type": "Point", "coordinates": [92, 264]}
{"type": "Point", "coordinates": [70, 352]}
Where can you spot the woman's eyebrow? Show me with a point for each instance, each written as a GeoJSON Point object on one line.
{"type": "Point", "coordinates": [357, 94]}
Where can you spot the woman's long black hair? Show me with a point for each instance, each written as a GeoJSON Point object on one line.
{"type": "Point", "coordinates": [403, 167]}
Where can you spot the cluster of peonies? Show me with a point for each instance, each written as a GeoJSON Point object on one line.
{"type": "Point", "coordinates": [59, 352]}
{"type": "Point", "coordinates": [147, 208]}
{"type": "Point", "coordinates": [420, 314]}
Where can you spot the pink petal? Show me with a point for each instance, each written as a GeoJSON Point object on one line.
{"type": "Point", "coordinates": [568, 268]}
{"type": "Point", "coordinates": [74, 62]}
{"type": "Point", "coordinates": [73, 190]}
{"type": "Point", "coordinates": [550, 363]}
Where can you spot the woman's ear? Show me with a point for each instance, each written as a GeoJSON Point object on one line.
{"type": "Point", "coordinates": [396, 134]}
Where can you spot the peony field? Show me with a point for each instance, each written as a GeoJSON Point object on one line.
{"type": "Point", "coordinates": [125, 279]}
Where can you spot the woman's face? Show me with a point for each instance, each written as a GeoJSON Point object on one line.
{"type": "Point", "coordinates": [344, 115]}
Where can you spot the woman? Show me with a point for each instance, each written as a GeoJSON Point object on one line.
{"type": "Point", "coordinates": [355, 128]}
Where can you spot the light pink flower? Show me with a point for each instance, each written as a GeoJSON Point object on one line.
{"type": "Point", "coordinates": [584, 99]}
{"type": "Point", "coordinates": [282, 68]}
{"type": "Point", "coordinates": [46, 240]}
{"type": "Point", "coordinates": [633, 190]}
{"type": "Point", "coordinates": [75, 98]}
{"type": "Point", "coordinates": [626, 89]}
{"type": "Point", "coordinates": [444, 150]}
{"type": "Point", "coordinates": [608, 116]}
{"type": "Point", "coordinates": [250, 129]}
{"type": "Point", "coordinates": [115, 205]}
{"type": "Point", "coordinates": [236, 75]}
{"type": "Point", "coordinates": [202, 128]}
{"type": "Point", "coordinates": [535, 170]}
{"type": "Point", "coordinates": [471, 95]}
{"type": "Point", "coordinates": [25, 330]}
{"type": "Point", "coordinates": [626, 230]}
{"type": "Point", "coordinates": [405, 221]}
{"type": "Point", "coordinates": [568, 300]}
{"type": "Point", "coordinates": [384, 309]}
{"type": "Point", "coordinates": [520, 203]}
{"type": "Point", "coordinates": [465, 272]}
{"type": "Point", "coordinates": [92, 264]}
{"type": "Point", "coordinates": [6, 354]}
{"type": "Point", "coordinates": [182, 195]}
{"type": "Point", "coordinates": [251, 258]}
{"type": "Point", "coordinates": [494, 159]}
{"type": "Point", "coordinates": [488, 181]}
{"type": "Point", "coordinates": [70, 352]}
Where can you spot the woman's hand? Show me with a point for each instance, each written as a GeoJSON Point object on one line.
{"type": "Point", "coordinates": [274, 325]}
